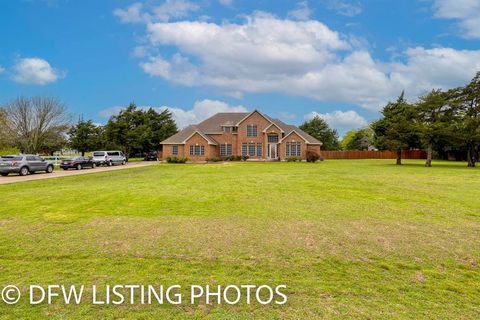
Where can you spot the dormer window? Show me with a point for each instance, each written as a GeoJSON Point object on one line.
{"type": "Point", "coordinates": [227, 129]}
{"type": "Point", "coordinates": [251, 130]}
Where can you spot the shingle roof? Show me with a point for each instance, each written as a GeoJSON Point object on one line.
{"type": "Point", "coordinates": [182, 135]}
{"type": "Point", "coordinates": [214, 125]}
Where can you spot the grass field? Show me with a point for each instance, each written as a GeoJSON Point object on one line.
{"type": "Point", "coordinates": [351, 239]}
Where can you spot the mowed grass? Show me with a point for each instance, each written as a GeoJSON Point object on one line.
{"type": "Point", "coordinates": [351, 239]}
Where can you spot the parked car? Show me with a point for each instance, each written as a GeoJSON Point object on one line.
{"type": "Point", "coordinates": [78, 163]}
{"type": "Point", "coordinates": [24, 164]}
{"type": "Point", "coordinates": [151, 156]}
{"type": "Point", "coordinates": [109, 158]}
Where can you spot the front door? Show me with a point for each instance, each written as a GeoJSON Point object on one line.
{"type": "Point", "coordinates": [272, 151]}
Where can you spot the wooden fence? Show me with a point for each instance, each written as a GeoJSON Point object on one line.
{"type": "Point", "coordinates": [354, 154]}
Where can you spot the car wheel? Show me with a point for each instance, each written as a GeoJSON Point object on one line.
{"type": "Point", "coordinates": [4, 174]}
{"type": "Point", "coordinates": [94, 165]}
{"type": "Point", "coordinates": [23, 171]}
{"type": "Point", "coordinates": [79, 167]}
{"type": "Point", "coordinates": [49, 169]}
{"type": "Point", "coordinates": [124, 162]}
{"type": "Point", "coordinates": [110, 163]}
{"type": "Point", "coordinates": [65, 169]}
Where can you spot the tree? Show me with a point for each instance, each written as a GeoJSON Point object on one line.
{"type": "Point", "coordinates": [397, 129]}
{"type": "Point", "coordinates": [37, 124]}
{"type": "Point", "coordinates": [467, 102]}
{"type": "Point", "coordinates": [136, 131]}
{"type": "Point", "coordinates": [85, 136]}
{"type": "Point", "coordinates": [5, 137]}
{"type": "Point", "coordinates": [347, 138]}
{"type": "Point", "coordinates": [435, 119]}
{"type": "Point", "coordinates": [319, 129]}
{"type": "Point", "coordinates": [361, 139]}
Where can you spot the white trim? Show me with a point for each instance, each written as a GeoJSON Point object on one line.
{"type": "Point", "coordinates": [306, 141]}
{"type": "Point", "coordinates": [202, 135]}
{"type": "Point", "coordinates": [248, 115]}
{"type": "Point", "coordinates": [273, 124]}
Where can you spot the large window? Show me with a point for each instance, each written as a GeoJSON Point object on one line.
{"type": "Point", "coordinates": [197, 150]}
{"type": "Point", "coordinates": [225, 150]}
{"type": "Point", "coordinates": [251, 130]}
{"type": "Point", "coordinates": [244, 149]}
{"type": "Point", "coordinates": [175, 150]}
{"type": "Point", "coordinates": [273, 138]}
{"type": "Point", "coordinates": [259, 149]}
{"type": "Point", "coordinates": [251, 149]}
{"type": "Point", "coordinates": [293, 149]}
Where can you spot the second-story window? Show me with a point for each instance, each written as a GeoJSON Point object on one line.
{"type": "Point", "coordinates": [251, 130]}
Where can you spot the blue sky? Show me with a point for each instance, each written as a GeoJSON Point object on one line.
{"type": "Point", "coordinates": [340, 59]}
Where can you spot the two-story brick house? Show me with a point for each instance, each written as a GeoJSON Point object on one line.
{"type": "Point", "coordinates": [252, 134]}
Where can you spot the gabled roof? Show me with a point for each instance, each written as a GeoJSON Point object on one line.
{"type": "Point", "coordinates": [182, 136]}
{"type": "Point", "coordinates": [214, 124]}
{"type": "Point", "coordinates": [249, 114]}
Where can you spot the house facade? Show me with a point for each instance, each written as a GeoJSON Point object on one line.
{"type": "Point", "coordinates": [252, 134]}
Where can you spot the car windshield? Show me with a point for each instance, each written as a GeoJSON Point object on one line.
{"type": "Point", "coordinates": [11, 158]}
{"type": "Point", "coordinates": [98, 154]}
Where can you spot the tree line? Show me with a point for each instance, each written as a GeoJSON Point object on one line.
{"type": "Point", "coordinates": [442, 122]}
{"type": "Point", "coordinates": [43, 125]}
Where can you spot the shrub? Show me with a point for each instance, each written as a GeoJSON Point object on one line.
{"type": "Point", "coordinates": [294, 159]}
{"type": "Point", "coordinates": [214, 159]}
{"type": "Point", "coordinates": [245, 158]}
{"type": "Point", "coordinates": [173, 159]}
{"type": "Point", "coordinates": [312, 156]}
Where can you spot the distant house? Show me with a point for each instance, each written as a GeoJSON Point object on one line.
{"type": "Point", "coordinates": [253, 134]}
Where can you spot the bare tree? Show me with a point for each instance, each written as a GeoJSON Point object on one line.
{"type": "Point", "coordinates": [35, 123]}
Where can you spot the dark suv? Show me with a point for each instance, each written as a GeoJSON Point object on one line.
{"type": "Point", "coordinates": [24, 164]}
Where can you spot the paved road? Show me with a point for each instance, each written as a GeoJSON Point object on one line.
{"type": "Point", "coordinates": [12, 178]}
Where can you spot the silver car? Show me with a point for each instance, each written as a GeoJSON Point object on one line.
{"type": "Point", "coordinates": [109, 158]}
{"type": "Point", "coordinates": [24, 164]}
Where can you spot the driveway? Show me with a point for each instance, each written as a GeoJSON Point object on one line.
{"type": "Point", "coordinates": [12, 178]}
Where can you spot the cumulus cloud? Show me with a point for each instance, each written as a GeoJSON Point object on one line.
{"type": "Point", "coordinates": [341, 120]}
{"type": "Point", "coordinates": [267, 54]}
{"type": "Point", "coordinates": [301, 12]}
{"type": "Point", "coordinates": [466, 12]}
{"type": "Point", "coordinates": [170, 9]}
{"type": "Point", "coordinates": [201, 110]}
{"type": "Point", "coordinates": [35, 71]}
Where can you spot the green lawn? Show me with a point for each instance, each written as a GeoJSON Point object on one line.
{"type": "Point", "coordinates": [351, 239]}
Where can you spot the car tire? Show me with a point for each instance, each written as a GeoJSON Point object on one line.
{"type": "Point", "coordinates": [4, 174]}
{"type": "Point", "coordinates": [124, 162]}
{"type": "Point", "coordinates": [65, 169]}
{"type": "Point", "coordinates": [23, 171]}
{"type": "Point", "coordinates": [110, 163]}
{"type": "Point", "coordinates": [79, 167]}
{"type": "Point", "coordinates": [94, 165]}
{"type": "Point", "coordinates": [49, 169]}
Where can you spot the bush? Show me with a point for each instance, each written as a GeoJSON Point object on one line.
{"type": "Point", "coordinates": [294, 159]}
{"type": "Point", "coordinates": [244, 158]}
{"type": "Point", "coordinates": [173, 159]}
{"type": "Point", "coordinates": [214, 159]}
{"type": "Point", "coordinates": [312, 156]}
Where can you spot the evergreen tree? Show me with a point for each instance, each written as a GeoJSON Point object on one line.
{"type": "Point", "coordinates": [319, 129]}
{"type": "Point", "coordinates": [85, 136]}
{"type": "Point", "coordinates": [397, 130]}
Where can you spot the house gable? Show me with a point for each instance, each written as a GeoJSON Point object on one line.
{"type": "Point", "coordinates": [251, 114]}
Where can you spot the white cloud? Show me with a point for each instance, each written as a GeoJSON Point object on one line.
{"type": "Point", "coordinates": [344, 7]}
{"type": "Point", "coordinates": [131, 14]}
{"type": "Point", "coordinates": [287, 115]}
{"type": "Point", "coordinates": [35, 71]}
{"type": "Point", "coordinates": [266, 54]}
{"type": "Point", "coordinates": [170, 9]}
{"type": "Point", "coordinates": [340, 120]}
{"type": "Point", "coordinates": [140, 52]}
{"type": "Point", "coordinates": [2, 69]}
{"type": "Point", "coordinates": [466, 12]}
{"type": "Point", "coordinates": [301, 12]}
{"type": "Point", "coordinates": [201, 110]}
